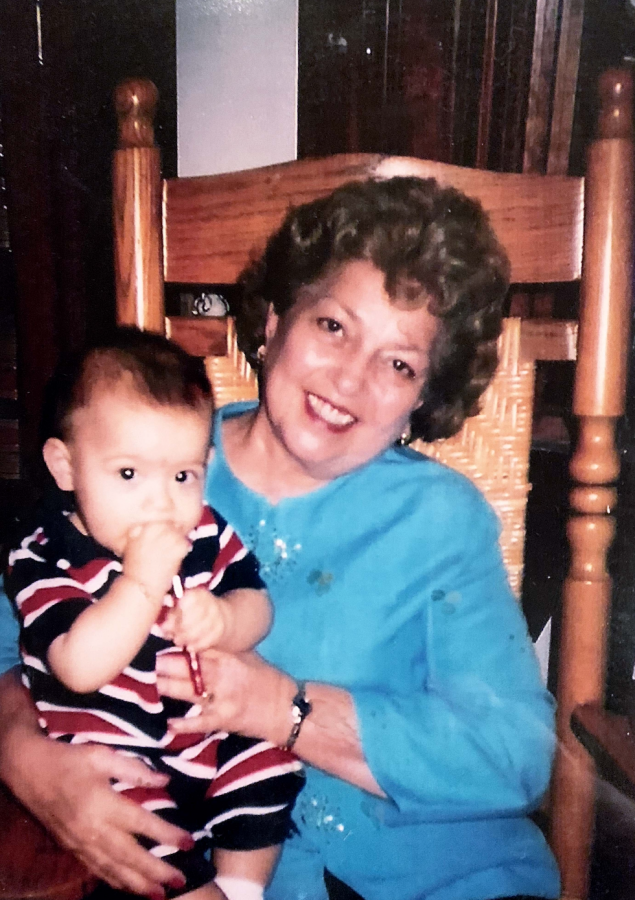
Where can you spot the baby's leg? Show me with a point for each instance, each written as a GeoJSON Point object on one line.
{"type": "Point", "coordinates": [250, 802]}
{"type": "Point", "coordinates": [243, 874]}
{"type": "Point", "coordinates": [207, 892]}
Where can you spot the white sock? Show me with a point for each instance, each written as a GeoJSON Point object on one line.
{"type": "Point", "coordinates": [239, 888]}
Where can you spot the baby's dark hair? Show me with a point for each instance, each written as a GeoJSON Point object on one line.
{"type": "Point", "coordinates": [159, 370]}
{"type": "Point", "coordinates": [434, 245]}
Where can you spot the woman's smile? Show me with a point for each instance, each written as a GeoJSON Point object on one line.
{"type": "Point", "coordinates": [335, 417]}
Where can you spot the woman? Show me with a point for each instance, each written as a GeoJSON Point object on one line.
{"type": "Point", "coordinates": [373, 314]}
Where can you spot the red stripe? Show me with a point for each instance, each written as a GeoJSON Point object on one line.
{"type": "Point", "coordinates": [79, 722]}
{"type": "Point", "coordinates": [46, 595]}
{"type": "Point", "coordinates": [90, 570]}
{"type": "Point", "coordinates": [227, 554]}
{"type": "Point", "coordinates": [207, 518]}
{"type": "Point", "coordinates": [146, 692]}
{"type": "Point", "coordinates": [143, 795]}
{"type": "Point", "coordinates": [265, 759]}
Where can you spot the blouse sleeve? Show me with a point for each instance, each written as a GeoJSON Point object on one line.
{"type": "Point", "coordinates": [477, 738]}
{"type": "Point", "coordinates": [9, 633]}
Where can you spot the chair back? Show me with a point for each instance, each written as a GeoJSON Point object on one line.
{"type": "Point", "coordinates": [555, 229]}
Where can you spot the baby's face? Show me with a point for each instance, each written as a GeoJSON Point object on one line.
{"type": "Point", "coordinates": [133, 462]}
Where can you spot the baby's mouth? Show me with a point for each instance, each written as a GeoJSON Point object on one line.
{"type": "Point", "coordinates": [332, 415]}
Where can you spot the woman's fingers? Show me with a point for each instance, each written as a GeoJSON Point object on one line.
{"type": "Point", "coordinates": [174, 679]}
{"type": "Point", "coordinates": [125, 768]}
{"type": "Point", "coordinates": [124, 864]}
{"type": "Point", "coordinates": [75, 800]}
{"type": "Point", "coordinates": [247, 695]}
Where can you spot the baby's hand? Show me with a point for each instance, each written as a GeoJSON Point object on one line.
{"type": "Point", "coordinates": [153, 556]}
{"type": "Point", "coordinates": [200, 620]}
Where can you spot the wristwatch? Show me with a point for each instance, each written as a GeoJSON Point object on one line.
{"type": "Point", "coordinates": [300, 709]}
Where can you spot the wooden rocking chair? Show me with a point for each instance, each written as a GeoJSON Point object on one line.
{"type": "Point", "coordinates": [555, 229]}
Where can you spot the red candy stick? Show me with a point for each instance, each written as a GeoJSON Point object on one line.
{"type": "Point", "coordinates": [193, 661]}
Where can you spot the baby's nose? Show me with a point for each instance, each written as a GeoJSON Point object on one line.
{"type": "Point", "coordinates": [160, 499]}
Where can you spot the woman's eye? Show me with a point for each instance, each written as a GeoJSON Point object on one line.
{"type": "Point", "coordinates": [403, 368]}
{"type": "Point", "coordinates": [127, 473]}
{"type": "Point", "coordinates": [330, 325]}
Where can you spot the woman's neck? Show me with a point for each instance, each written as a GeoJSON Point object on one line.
{"type": "Point", "coordinates": [256, 458]}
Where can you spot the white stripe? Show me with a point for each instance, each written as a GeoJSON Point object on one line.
{"type": "Point", "coordinates": [131, 696]}
{"type": "Point", "coordinates": [187, 767]}
{"type": "Point", "coordinates": [128, 733]}
{"type": "Point", "coordinates": [34, 663]}
{"type": "Point", "coordinates": [202, 578]}
{"type": "Point", "coordinates": [24, 545]}
{"type": "Point", "coordinates": [163, 850]}
{"type": "Point", "coordinates": [246, 754]}
{"type": "Point", "coordinates": [244, 811]}
{"type": "Point", "coordinates": [261, 775]}
{"type": "Point", "coordinates": [15, 555]}
{"type": "Point", "coordinates": [203, 531]}
{"type": "Point", "coordinates": [98, 580]}
{"type": "Point", "coordinates": [164, 803]}
{"type": "Point", "coordinates": [41, 583]}
{"type": "Point", "coordinates": [140, 675]}
{"type": "Point", "coordinates": [195, 749]}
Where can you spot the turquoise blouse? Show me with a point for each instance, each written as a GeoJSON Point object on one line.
{"type": "Point", "coordinates": [388, 582]}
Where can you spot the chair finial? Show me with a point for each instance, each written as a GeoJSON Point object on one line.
{"type": "Point", "coordinates": [616, 99]}
{"type": "Point", "coordinates": [136, 101]}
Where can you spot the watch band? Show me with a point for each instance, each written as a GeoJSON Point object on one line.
{"type": "Point", "coordinates": [300, 709]}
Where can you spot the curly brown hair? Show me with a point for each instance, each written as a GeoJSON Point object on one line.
{"type": "Point", "coordinates": [434, 245]}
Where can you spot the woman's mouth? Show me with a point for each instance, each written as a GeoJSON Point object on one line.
{"type": "Point", "coordinates": [332, 415]}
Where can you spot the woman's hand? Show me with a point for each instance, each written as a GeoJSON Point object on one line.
{"type": "Point", "coordinates": [251, 697]}
{"type": "Point", "coordinates": [68, 789]}
{"type": "Point", "coordinates": [246, 694]}
{"type": "Point", "coordinates": [78, 805]}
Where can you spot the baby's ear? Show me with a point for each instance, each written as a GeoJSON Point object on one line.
{"type": "Point", "coordinates": [58, 460]}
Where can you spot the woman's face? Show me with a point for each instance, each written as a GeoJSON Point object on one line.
{"type": "Point", "coordinates": [343, 370]}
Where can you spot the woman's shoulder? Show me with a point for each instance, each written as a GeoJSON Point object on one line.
{"type": "Point", "coordinates": [416, 471]}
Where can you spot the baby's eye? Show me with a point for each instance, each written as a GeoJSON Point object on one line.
{"type": "Point", "coordinates": [330, 325]}
{"type": "Point", "coordinates": [127, 473]}
{"type": "Point", "coordinates": [403, 368]}
{"type": "Point", "coordinates": [184, 476]}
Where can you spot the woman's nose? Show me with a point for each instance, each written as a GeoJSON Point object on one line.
{"type": "Point", "coordinates": [351, 373]}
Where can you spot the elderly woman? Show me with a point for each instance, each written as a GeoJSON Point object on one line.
{"type": "Point", "coordinates": [398, 666]}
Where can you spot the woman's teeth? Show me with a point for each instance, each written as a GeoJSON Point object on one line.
{"type": "Point", "coordinates": [329, 413]}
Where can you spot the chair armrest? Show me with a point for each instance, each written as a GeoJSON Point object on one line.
{"type": "Point", "coordinates": [32, 863]}
{"type": "Point", "coordinates": [609, 739]}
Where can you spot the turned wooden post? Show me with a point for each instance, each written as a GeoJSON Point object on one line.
{"type": "Point", "coordinates": [598, 402]}
{"type": "Point", "coordinates": [137, 209]}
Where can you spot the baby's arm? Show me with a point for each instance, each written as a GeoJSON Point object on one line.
{"type": "Point", "coordinates": [107, 635]}
{"type": "Point", "coordinates": [234, 622]}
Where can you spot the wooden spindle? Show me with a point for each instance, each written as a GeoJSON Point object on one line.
{"type": "Point", "coordinates": [598, 402]}
{"type": "Point", "coordinates": [137, 209]}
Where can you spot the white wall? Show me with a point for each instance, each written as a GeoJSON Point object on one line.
{"type": "Point", "coordinates": [236, 84]}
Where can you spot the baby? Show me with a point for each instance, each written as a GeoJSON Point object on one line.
{"type": "Point", "coordinates": [96, 583]}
